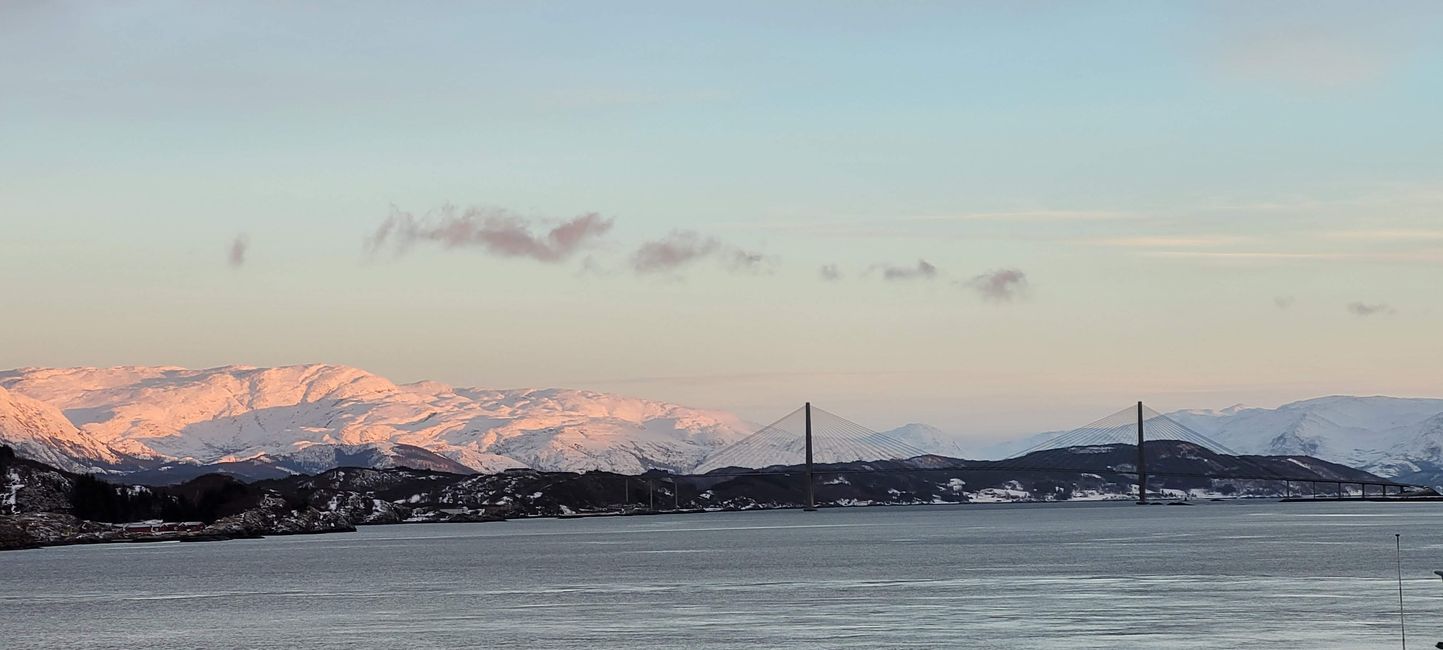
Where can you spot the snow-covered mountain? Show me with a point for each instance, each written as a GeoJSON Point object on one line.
{"type": "Point", "coordinates": [1390, 436]}
{"type": "Point", "coordinates": [311, 418]}
{"type": "Point", "coordinates": [166, 421]}
{"type": "Point", "coordinates": [932, 440]}
{"type": "Point", "coordinates": [40, 431]}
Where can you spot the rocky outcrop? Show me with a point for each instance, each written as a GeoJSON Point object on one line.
{"type": "Point", "coordinates": [273, 516]}
{"type": "Point", "coordinates": [360, 508]}
{"type": "Point", "coordinates": [44, 506]}
{"type": "Point", "coordinates": [13, 536]}
{"type": "Point", "coordinates": [60, 529]}
{"type": "Point", "coordinates": [32, 487]}
{"type": "Point", "coordinates": [36, 529]}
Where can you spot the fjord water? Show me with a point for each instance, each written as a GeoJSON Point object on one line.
{"type": "Point", "coordinates": [1215, 575]}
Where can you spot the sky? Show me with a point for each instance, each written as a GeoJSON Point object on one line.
{"type": "Point", "coordinates": [996, 218]}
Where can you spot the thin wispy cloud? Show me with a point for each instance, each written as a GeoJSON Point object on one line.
{"type": "Point", "coordinates": [1248, 256]}
{"type": "Point", "coordinates": [1432, 256]}
{"type": "Point", "coordinates": [1284, 302]}
{"type": "Point", "coordinates": [1033, 216]}
{"type": "Point", "coordinates": [672, 252]}
{"type": "Point", "coordinates": [1163, 241]}
{"type": "Point", "coordinates": [751, 377]}
{"type": "Point", "coordinates": [590, 266]}
{"type": "Point", "coordinates": [748, 261]}
{"type": "Point", "coordinates": [493, 230]}
{"type": "Point", "coordinates": [924, 270]}
{"type": "Point", "coordinates": [1000, 285]}
{"type": "Point", "coordinates": [236, 254]}
{"type": "Point", "coordinates": [890, 225]}
{"type": "Point", "coordinates": [1334, 46]}
{"type": "Point", "coordinates": [830, 273]}
{"type": "Point", "coordinates": [1386, 235]}
{"type": "Point", "coordinates": [683, 248]}
{"type": "Point", "coordinates": [1364, 309]}
{"type": "Point", "coordinates": [1310, 59]}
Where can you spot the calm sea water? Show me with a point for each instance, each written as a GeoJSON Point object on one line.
{"type": "Point", "coordinates": [1217, 575]}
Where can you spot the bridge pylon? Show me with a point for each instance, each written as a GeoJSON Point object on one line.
{"type": "Point", "coordinates": [1141, 461]}
{"type": "Point", "coordinates": [811, 493]}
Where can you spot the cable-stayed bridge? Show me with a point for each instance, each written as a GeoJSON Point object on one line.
{"type": "Point", "coordinates": [808, 434]}
{"type": "Point", "coordinates": [1136, 442]}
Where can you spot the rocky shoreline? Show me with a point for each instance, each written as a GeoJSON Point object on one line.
{"type": "Point", "coordinates": [47, 529]}
{"type": "Point", "coordinates": [43, 506]}
{"type": "Point", "coordinates": [43, 529]}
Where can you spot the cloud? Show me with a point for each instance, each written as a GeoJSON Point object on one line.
{"type": "Point", "coordinates": [924, 270]}
{"type": "Point", "coordinates": [590, 266]}
{"type": "Point", "coordinates": [1330, 47]}
{"type": "Point", "coordinates": [1250, 256]}
{"type": "Point", "coordinates": [684, 247]}
{"type": "Point", "coordinates": [1284, 302]}
{"type": "Point", "coordinates": [672, 252]}
{"type": "Point", "coordinates": [831, 273]}
{"type": "Point", "coordinates": [1432, 256]}
{"type": "Point", "coordinates": [1386, 235]}
{"type": "Point", "coordinates": [1369, 309]}
{"type": "Point", "coordinates": [237, 253]}
{"type": "Point", "coordinates": [745, 260]}
{"type": "Point", "coordinates": [900, 225]}
{"type": "Point", "coordinates": [1182, 241]}
{"type": "Point", "coordinates": [1041, 216]}
{"type": "Point", "coordinates": [1001, 285]}
{"type": "Point", "coordinates": [494, 230]}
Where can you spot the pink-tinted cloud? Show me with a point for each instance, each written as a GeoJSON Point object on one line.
{"type": "Point", "coordinates": [1001, 285]}
{"type": "Point", "coordinates": [494, 230]}
{"type": "Point", "coordinates": [683, 247]}
{"type": "Point", "coordinates": [672, 252]}
{"type": "Point", "coordinates": [236, 256]}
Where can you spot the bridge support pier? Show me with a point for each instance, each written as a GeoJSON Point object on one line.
{"type": "Point", "coordinates": [811, 495]}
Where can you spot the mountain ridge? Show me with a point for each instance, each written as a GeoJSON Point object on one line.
{"type": "Point", "coordinates": [303, 419]}
{"type": "Point", "coordinates": [259, 422]}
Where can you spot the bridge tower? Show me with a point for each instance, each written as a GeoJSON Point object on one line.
{"type": "Point", "coordinates": [811, 496]}
{"type": "Point", "coordinates": [1141, 461]}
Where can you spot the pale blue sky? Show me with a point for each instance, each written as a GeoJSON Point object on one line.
{"type": "Point", "coordinates": [1211, 202]}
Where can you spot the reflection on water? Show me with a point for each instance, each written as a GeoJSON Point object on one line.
{"type": "Point", "coordinates": [1216, 575]}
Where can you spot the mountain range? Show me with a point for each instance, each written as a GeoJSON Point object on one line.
{"type": "Point", "coordinates": [169, 424]}
{"type": "Point", "coordinates": [269, 422]}
{"type": "Point", "coordinates": [1400, 438]}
